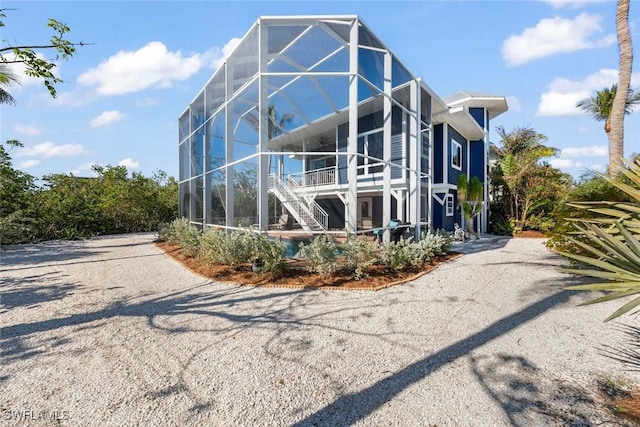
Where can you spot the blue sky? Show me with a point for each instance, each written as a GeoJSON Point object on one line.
{"type": "Point", "coordinates": [123, 94]}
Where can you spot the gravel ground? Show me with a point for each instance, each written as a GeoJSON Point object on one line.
{"type": "Point", "coordinates": [111, 332]}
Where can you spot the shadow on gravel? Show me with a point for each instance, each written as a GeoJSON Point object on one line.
{"type": "Point", "coordinates": [56, 263]}
{"type": "Point", "coordinates": [210, 303]}
{"type": "Point", "coordinates": [45, 253]}
{"type": "Point", "coordinates": [32, 290]}
{"type": "Point", "coordinates": [480, 245]}
{"type": "Point", "coordinates": [349, 409]}
{"type": "Point", "coordinates": [528, 398]}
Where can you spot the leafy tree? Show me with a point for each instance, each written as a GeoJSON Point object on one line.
{"type": "Point", "coordinates": [470, 192]}
{"type": "Point", "coordinates": [31, 55]}
{"type": "Point", "coordinates": [519, 156]}
{"type": "Point", "coordinates": [600, 108]}
{"type": "Point", "coordinates": [16, 192]}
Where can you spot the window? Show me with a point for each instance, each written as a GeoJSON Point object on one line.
{"type": "Point", "coordinates": [456, 155]}
{"type": "Point", "coordinates": [449, 204]}
{"type": "Point", "coordinates": [370, 145]}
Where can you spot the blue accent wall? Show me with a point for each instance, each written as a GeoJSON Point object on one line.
{"type": "Point", "coordinates": [478, 114]}
{"type": "Point", "coordinates": [453, 173]}
{"type": "Point", "coordinates": [438, 141]}
{"type": "Point", "coordinates": [476, 160]}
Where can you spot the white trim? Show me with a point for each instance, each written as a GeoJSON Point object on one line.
{"type": "Point", "coordinates": [444, 188]}
{"type": "Point", "coordinates": [453, 165]}
{"type": "Point", "coordinates": [449, 198]}
{"type": "Point", "coordinates": [438, 199]}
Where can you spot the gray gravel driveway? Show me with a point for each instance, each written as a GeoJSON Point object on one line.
{"type": "Point", "coordinates": [111, 332]}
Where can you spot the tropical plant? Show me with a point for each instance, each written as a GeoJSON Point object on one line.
{"type": "Point", "coordinates": [519, 165]}
{"type": "Point", "coordinates": [470, 194]}
{"type": "Point", "coordinates": [7, 79]}
{"type": "Point", "coordinates": [619, 107]}
{"type": "Point", "coordinates": [600, 108]}
{"type": "Point", "coordinates": [610, 242]}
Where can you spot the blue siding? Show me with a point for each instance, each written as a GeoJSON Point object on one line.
{"type": "Point", "coordinates": [476, 159]}
{"type": "Point", "coordinates": [453, 173]}
{"type": "Point", "coordinates": [437, 153]}
{"type": "Point", "coordinates": [478, 114]}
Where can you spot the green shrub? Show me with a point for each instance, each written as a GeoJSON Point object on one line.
{"type": "Point", "coordinates": [239, 248]}
{"type": "Point", "coordinates": [359, 255]}
{"type": "Point", "coordinates": [181, 232]}
{"type": "Point", "coordinates": [270, 254]}
{"type": "Point", "coordinates": [435, 244]}
{"type": "Point", "coordinates": [320, 255]}
{"type": "Point", "coordinates": [398, 255]}
{"type": "Point", "coordinates": [212, 245]}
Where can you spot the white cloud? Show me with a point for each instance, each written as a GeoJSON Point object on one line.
{"type": "Point", "coordinates": [597, 167]}
{"type": "Point", "coordinates": [27, 129]}
{"type": "Point", "coordinates": [592, 151]}
{"type": "Point", "coordinates": [106, 118]}
{"type": "Point", "coordinates": [129, 163]}
{"type": "Point", "coordinates": [146, 102]}
{"type": "Point", "coordinates": [49, 149]}
{"type": "Point", "coordinates": [557, 4]}
{"type": "Point", "coordinates": [564, 94]}
{"type": "Point", "coordinates": [28, 164]}
{"type": "Point", "coordinates": [583, 129]}
{"type": "Point", "coordinates": [227, 50]}
{"type": "Point", "coordinates": [133, 71]}
{"type": "Point", "coordinates": [565, 164]}
{"type": "Point", "coordinates": [514, 104]}
{"type": "Point", "coordinates": [555, 35]}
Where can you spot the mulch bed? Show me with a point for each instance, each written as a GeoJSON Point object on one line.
{"type": "Point", "coordinates": [296, 277]}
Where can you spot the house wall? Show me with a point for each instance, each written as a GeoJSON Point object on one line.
{"type": "Point", "coordinates": [453, 173]}
{"type": "Point", "coordinates": [438, 150]}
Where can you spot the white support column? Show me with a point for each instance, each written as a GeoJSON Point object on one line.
{"type": "Point", "coordinates": [485, 205]}
{"type": "Point", "coordinates": [263, 132]}
{"type": "Point", "coordinates": [415, 157]}
{"type": "Point", "coordinates": [351, 205]}
{"type": "Point", "coordinates": [228, 143]}
{"type": "Point", "coordinates": [386, 144]}
{"type": "Point", "coordinates": [206, 184]}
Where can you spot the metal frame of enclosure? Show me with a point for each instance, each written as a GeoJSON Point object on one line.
{"type": "Point", "coordinates": [312, 118]}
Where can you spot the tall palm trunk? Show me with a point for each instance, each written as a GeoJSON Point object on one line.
{"type": "Point", "coordinates": [616, 136]}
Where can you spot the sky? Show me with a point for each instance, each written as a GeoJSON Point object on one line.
{"type": "Point", "coordinates": [145, 61]}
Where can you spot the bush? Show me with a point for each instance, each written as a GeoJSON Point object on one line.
{"type": "Point", "coordinates": [269, 254]}
{"type": "Point", "coordinates": [212, 245]}
{"type": "Point", "coordinates": [359, 256]}
{"type": "Point", "coordinates": [181, 232]}
{"type": "Point", "coordinates": [435, 244]}
{"type": "Point", "coordinates": [321, 255]}
{"type": "Point", "coordinates": [398, 255]}
{"type": "Point", "coordinates": [242, 247]}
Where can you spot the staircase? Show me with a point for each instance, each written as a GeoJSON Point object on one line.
{"type": "Point", "coordinates": [306, 211]}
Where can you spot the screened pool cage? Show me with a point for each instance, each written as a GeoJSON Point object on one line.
{"type": "Point", "coordinates": [311, 125]}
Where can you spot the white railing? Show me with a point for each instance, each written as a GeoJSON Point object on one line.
{"type": "Point", "coordinates": [307, 213]}
{"type": "Point", "coordinates": [312, 178]}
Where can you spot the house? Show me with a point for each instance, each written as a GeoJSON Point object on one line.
{"type": "Point", "coordinates": [313, 117]}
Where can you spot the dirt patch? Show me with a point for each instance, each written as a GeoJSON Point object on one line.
{"type": "Point", "coordinates": [296, 277]}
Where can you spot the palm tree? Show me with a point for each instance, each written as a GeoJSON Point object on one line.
{"type": "Point", "coordinates": [7, 78]}
{"type": "Point", "coordinates": [470, 193]}
{"type": "Point", "coordinates": [600, 107]}
{"type": "Point", "coordinates": [520, 152]}
{"type": "Point", "coordinates": [620, 102]}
